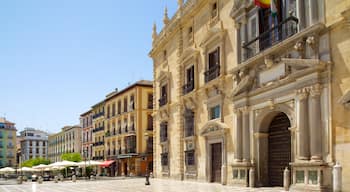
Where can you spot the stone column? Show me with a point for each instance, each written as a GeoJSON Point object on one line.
{"type": "Point", "coordinates": [304, 149]}
{"type": "Point", "coordinates": [315, 124]}
{"type": "Point", "coordinates": [238, 42]}
{"type": "Point", "coordinates": [238, 137]}
{"type": "Point", "coordinates": [301, 14]}
{"type": "Point", "coordinates": [246, 140]}
{"type": "Point", "coordinates": [313, 5]}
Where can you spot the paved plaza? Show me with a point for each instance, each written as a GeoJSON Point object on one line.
{"type": "Point", "coordinates": [126, 185]}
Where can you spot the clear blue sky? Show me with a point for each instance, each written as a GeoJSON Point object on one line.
{"type": "Point", "coordinates": [59, 57]}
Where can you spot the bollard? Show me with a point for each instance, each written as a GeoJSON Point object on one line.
{"type": "Point", "coordinates": [337, 177]}
{"type": "Point", "coordinates": [74, 178]}
{"type": "Point", "coordinates": [147, 180]}
{"type": "Point", "coordinates": [19, 180]}
{"type": "Point", "coordinates": [25, 178]}
{"type": "Point", "coordinates": [286, 179]}
{"type": "Point", "coordinates": [56, 179]}
{"type": "Point", "coordinates": [251, 177]}
{"type": "Point", "coordinates": [61, 178]}
{"type": "Point", "coordinates": [40, 179]}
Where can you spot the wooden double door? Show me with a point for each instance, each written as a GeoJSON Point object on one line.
{"type": "Point", "coordinates": [216, 162]}
{"type": "Point", "coordinates": [279, 149]}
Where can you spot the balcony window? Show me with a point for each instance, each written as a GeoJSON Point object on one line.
{"type": "Point", "coordinates": [125, 105]}
{"type": "Point", "coordinates": [113, 109]}
{"type": "Point", "coordinates": [108, 111]}
{"type": "Point", "coordinates": [132, 103]}
{"type": "Point", "coordinates": [149, 147]}
{"type": "Point", "coordinates": [189, 123]}
{"type": "Point", "coordinates": [215, 112]}
{"type": "Point", "coordinates": [150, 101]}
{"type": "Point", "coordinates": [163, 131]}
{"type": "Point", "coordinates": [189, 85]}
{"type": "Point", "coordinates": [149, 122]}
{"type": "Point", "coordinates": [266, 30]}
{"type": "Point", "coordinates": [213, 65]}
{"type": "Point", "coordinates": [163, 95]}
{"type": "Point", "coordinates": [214, 10]}
{"type": "Point", "coordinates": [119, 107]}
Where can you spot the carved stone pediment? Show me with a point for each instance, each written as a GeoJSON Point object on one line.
{"type": "Point", "coordinates": [163, 114]}
{"type": "Point", "coordinates": [163, 75]}
{"type": "Point", "coordinates": [214, 128]}
{"type": "Point", "coordinates": [189, 103]}
{"type": "Point", "coordinates": [212, 34]}
{"type": "Point", "coordinates": [189, 52]}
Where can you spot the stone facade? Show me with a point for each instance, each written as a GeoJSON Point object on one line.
{"type": "Point", "coordinates": [66, 141]}
{"type": "Point", "coordinates": [34, 144]}
{"type": "Point", "coordinates": [273, 92]}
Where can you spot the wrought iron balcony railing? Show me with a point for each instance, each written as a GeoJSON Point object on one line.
{"type": "Point", "coordinates": [188, 87]}
{"type": "Point", "coordinates": [267, 39]}
{"type": "Point", "coordinates": [212, 73]}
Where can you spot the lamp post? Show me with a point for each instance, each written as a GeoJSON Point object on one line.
{"type": "Point", "coordinates": [84, 152]}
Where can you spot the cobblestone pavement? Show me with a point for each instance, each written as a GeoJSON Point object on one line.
{"type": "Point", "coordinates": [126, 185]}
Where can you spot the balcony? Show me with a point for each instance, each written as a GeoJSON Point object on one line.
{"type": "Point", "coordinates": [10, 156]}
{"type": "Point", "coordinates": [150, 105]}
{"type": "Point", "coordinates": [10, 146]}
{"type": "Point", "coordinates": [130, 150]}
{"type": "Point", "coordinates": [163, 100]}
{"type": "Point", "coordinates": [10, 137]}
{"type": "Point", "coordinates": [98, 143]}
{"type": "Point", "coordinates": [267, 39]}
{"type": "Point", "coordinates": [188, 87]}
{"type": "Point", "coordinates": [98, 129]}
{"type": "Point", "coordinates": [97, 115]}
{"type": "Point", "coordinates": [212, 73]}
{"type": "Point", "coordinates": [131, 129]}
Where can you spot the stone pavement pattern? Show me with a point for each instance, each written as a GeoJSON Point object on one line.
{"type": "Point", "coordinates": [126, 185]}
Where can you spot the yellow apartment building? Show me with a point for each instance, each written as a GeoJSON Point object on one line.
{"type": "Point", "coordinates": [123, 130]}
{"type": "Point", "coordinates": [98, 135]}
{"type": "Point", "coordinates": [243, 97]}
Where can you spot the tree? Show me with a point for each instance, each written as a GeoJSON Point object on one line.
{"type": "Point", "coordinates": [35, 161]}
{"type": "Point", "coordinates": [76, 157]}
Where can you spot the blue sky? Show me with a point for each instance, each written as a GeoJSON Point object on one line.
{"type": "Point", "coordinates": [59, 57]}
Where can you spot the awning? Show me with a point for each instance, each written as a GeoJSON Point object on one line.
{"type": "Point", "coordinates": [107, 163]}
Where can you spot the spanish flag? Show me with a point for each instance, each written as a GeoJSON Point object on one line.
{"type": "Point", "coordinates": [267, 4]}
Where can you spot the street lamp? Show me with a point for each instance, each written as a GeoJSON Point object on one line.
{"type": "Point", "coordinates": [84, 152]}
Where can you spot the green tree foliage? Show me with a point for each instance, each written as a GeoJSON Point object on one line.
{"type": "Point", "coordinates": [35, 161]}
{"type": "Point", "coordinates": [76, 157]}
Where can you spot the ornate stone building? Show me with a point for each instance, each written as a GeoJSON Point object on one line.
{"type": "Point", "coordinates": [244, 97]}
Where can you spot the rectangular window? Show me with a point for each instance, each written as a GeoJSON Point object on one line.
{"type": "Point", "coordinates": [189, 84]}
{"type": "Point", "coordinates": [163, 131]}
{"type": "Point", "coordinates": [213, 68]}
{"type": "Point", "coordinates": [190, 157]}
{"type": "Point", "coordinates": [164, 159]}
{"type": "Point", "coordinates": [215, 112]}
{"type": "Point", "coordinates": [113, 109]}
{"type": "Point", "coordinates": [119, 107]}
{"type": "Point", "coordinates": [163, 95]}
{"type": "Point", "coordinates": [189, 123]}
{"type": "Point", "coordinates": [108, 111]}
{"type": "Point", "coordinates": [132, 103]}
{"type": "Point", "coordinates": [125, 104]}
{"type": "Point", "coordinates": [149, 122]}
{"type": "Point", "coordinates": [150, 101]}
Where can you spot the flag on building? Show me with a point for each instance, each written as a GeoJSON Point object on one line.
{"type": "Point", "coordinates": [267, 4]}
